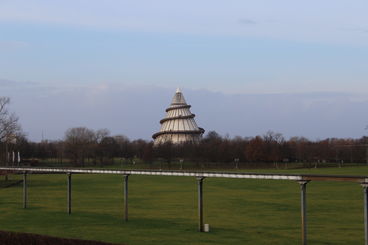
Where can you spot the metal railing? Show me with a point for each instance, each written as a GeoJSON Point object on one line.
{"type": "Point", "coordinates": [302, 179]}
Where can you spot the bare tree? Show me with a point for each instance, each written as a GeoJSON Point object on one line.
{"type": "Point", "coordinates": [101, 134]}
{"type": "Point", "coordinates": [9, 126]}
{"type": "Point", "coordinates": [78, 143]}
{"type": "Point", "coordinates": [124, 146]}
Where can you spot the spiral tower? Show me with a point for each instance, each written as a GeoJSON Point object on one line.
{"type": "Point", "coordinates": [179, 125]}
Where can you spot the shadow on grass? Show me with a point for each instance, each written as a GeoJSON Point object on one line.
{"type": "Point", "coordinates": [14, 238]}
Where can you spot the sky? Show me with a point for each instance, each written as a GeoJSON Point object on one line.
{"type": "Point", "coordinates": [295, 67]}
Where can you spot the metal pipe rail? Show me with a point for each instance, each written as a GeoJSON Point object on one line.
{"type": "Point", "coordinates": [302, 179]}
{"type": "Point", "coordinates": [238, 175]}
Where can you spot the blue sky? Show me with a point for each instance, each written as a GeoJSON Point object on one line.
{"type": "Point", "coordinates": [235, 48]}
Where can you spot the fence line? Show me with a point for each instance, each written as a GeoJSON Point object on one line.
{"type": "Point", "coordinates": [303, 180]}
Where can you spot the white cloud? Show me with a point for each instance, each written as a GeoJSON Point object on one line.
{"type": "Point", "coordinates": [7, 83]}
{"type": "Point", "coordinates": [306, 21]}
{"type": "Point", "coordinates": [11, 45]}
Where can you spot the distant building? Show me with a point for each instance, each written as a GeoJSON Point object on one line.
{"type": "Point", "coordinates": [179, 125]}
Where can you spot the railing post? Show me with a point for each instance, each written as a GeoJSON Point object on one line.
{"type": "Point", "coordinates": [365, 190]}
{"type": "Point", "coordinates": [200, 203]}
{"type": "Point", "coordinates": [126, 197]}
{"type": "Point", "coordinates": [25, 191]}
{"type": "Point", "coordinates": [69, 193]}
{"type": "Point", "coordinates": [303, 203]}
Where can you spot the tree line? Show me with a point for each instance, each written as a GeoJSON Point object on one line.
{"type": "Point", "coordinates": [82, 146]}
{"type": "Point", "coordinates": [97, 147]}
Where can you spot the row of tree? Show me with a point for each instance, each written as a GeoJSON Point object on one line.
{"type": "Point", "coordinates": [82, 145]}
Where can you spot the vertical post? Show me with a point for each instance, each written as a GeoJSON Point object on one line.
{"type": "Point", "coordinates": [25, 191]}
{"type": "Point", "coordinates": [69, 193]}
{"type": "Point", "coordinates": [6, 153]}
{"type": "Point", "coordinates": [6, 159]}
{"type": "Point", "coordinates": [126, 197]}
{"type": "Point", "coordinates": [200, 203]}
{"type": "Point", "coordinates": [303, 203]}
{"type": "Point", "coordinates": [236, 160]}
{"type": "Point", "coordinates": [365, 189]}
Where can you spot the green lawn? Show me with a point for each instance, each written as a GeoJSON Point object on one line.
{"type": "Point", "coordinates": [163, 210]}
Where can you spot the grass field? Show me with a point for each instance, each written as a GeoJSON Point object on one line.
{"type": "Point", "coordinates": [163, 210]}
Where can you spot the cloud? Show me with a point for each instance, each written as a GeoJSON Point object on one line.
{"type": "Point", "coordinates": [6, 45]}
{"type": "Point", "coordinates": [297, 20]}
{"type": "Point", "coordinates": [7, 83]}
{"type": "Point", "coordinates": [355, 29]}
{"type": "Point", "coordinates": [247, 22]}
